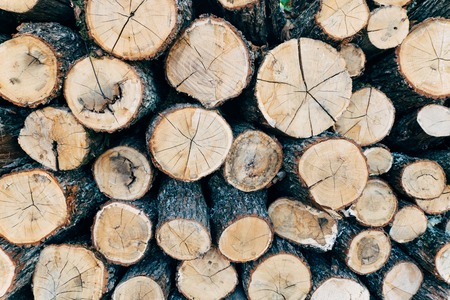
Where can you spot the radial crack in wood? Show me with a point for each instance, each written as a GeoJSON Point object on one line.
{"type": "Point", "coordinates": [210, 277]}
{"type": "Point", "coordinates": [402, 281]}
{"type": "Point", "coordinates": [303, 87]}
{"type": "Point", "coordinates": [368, 118]}
{"type": "Point", "coordinates": [33, 206]}
{"type": "Point", "coordinates": [424, 58]}
{"type": "Point", "coordinates": [53, 137]}
{"type": "Point", "coordinates": [188, 143]}
{"type": "Point", "coordinates": [368, 251]}
{"type": "Point", "coordinates": [409, 223]}
{"type": "Point", "coordinates": [210, 62]}
{"type": "Point", "coordinates": [379, 160]}
{"type": "Point", "coordinates": [107, 94]}
{"type": "Point", "coordinates": [123, 173]}
{"type": "Point", "coordinates": [388, 27]}
{"type": "Point", "coordinates": [253, 161]}
{"type": "Point", "coordinates": [342, 18]}
{"type": "Point", "coordinates": [67, 271]}
{"type": "Point", "coordinates": [434, 120]}
{"type": "Point", "coordinates": [355, 59]}
{"type": "Point", "coordinates": [133, 30]}
{"type": "Point", "coordinates": [437, 205]}
{"type": "Point", "coordinates": [303, 224]}
{"type": "Point", "coordinates": [377, 205]}
{"type": "Point", "coordinates": [121, 233]}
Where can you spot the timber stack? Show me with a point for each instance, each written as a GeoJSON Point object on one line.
{"type": "Point", "coordinates": [225, 149]}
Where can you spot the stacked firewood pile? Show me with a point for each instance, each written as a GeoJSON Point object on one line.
{"type": "Point", "coordinates": [211, 149]}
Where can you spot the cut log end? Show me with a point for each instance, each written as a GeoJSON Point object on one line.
{"type": "Point", "coordinates": [368, 118]}
{"type": "Point", "coordinates": [402, 281]}
{"type": "Point", "coordinates": [423, 179]}
{"type": "Point", "coordinates": [303, 224]}
{"type": "Point", "coordinates": [68, 271]}
{"type": "Point", "coordinates": [33, 206]}
{"type": "Point", "coordinates": [253, 161]}
{"type": "Point", "coordinates": [136, 30]}
{"type": "Point", "coordinates": [183, 239]}
{"type": "Point", "coordinates": [442, 261]}
{"type": "Point", "coordinates": [343, 18]}
{"type": "Point", "coordinates": [190, 143]}
{"type": "Point", "coordinates": [123, 173]}
{"type": "Point", "coordinates": [139, 288]}
{"type": "Point", "coordinates": [210, 62]}
{"type": "Point", "coordinates": [368, 251]}
{"type": "Point", "coordinates": [54, 138]}
{"type": "Point", "coordinates": [409, 223]}
{"type": "Point", "coordinates": [340, 289]}
{"type": "Point", "coordinates": [17, 6]}
{"type": "Point", "coordinates": [121, 233]}
{"type": "Point", "coordinates": [246, 239]}
{"type": "Point", "coordinates": [355, 59]}
{"type": "Point", "coordinates": [424, 58]}
{"type": "Point", "coordinates": [210, 277]}
{"type": "Point", "coordinates": [281, 276]}
{"type": "Point", "coordinates": [434, 120]}
{"type": "Point", "coordinates": [377, 205]}
{"type": "Point", "coordinates": [342, 173]}
{"type": "Point", "coordinates": [237, 4]}
{"type": "Point", "coordinates": [29, 76]}
{"type": "Point", "coordinates": [388, 27]}
{"type": "Point", "coordinates": [302, 87]}
{"type": "Point", "coordinates": [437, 205]}
{"type": "Point", "coordinates": [7, 273]}
{"type": "Point", "coordinates": [104, 94]}
{"type": "Point", "coordinates": [379, 160]}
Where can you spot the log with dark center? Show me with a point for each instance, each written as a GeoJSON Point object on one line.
{"type": "Point", "coordinates": [210, 62]}
{"type": "Point", "coordinates": [302, 224]}
{"type": "Point", "coordinates": [38, 60]}
{"type": "Point", "coordinates": [136, 30]}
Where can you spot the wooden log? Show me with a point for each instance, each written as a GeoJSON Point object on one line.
{"type": "Point", "coordinates": [318, 171]}
{"type": "Point", "coordinates": [377, 205]}
{"type": "Point", "coordinates": [17, 268]}
{"type": "Point", "coordinates": [280, 273]}
{"type": "Point", "coordinates": [333, 280]}
{"type": "Point", "coordinates": [122, 231]}
{"type": "Point", "coordinates": [363, 251]}
{"type": "Point", "coordinates": [436, 206]}
{"type": "Point", "coordinates": [38, 205]}
{"type": "Point", "coordinates": [242, 227]}
{"type": "Point", "coordinates": [432, 252]}
{"type": "Point", "coordinates": [210, 277]}
{"type": "Point", "coordinates": [329, 20]}
{"type": "Point", "coordinates": [183, 221]}
{"type": "Point", "coordinates": [136, 31]}
{"type": "Point", "coordinates": [151, 278]}
{"type": "Point", "coordinates": [254, 159]}
{"type": "Point", "coordinates": [420, 10]}
{"type": "Point", "coordinates": [124, 172]}
{"type": "Point", "coordinates": [188, 142]}
{"type": "Point", "coordinates": [399, 278]}
{"type": "Point", "coordinates": [303, 225]}
{"type": "Point", "coordinates": [38, 60]}
{"type": "Point", "coordinates": [210, 62]}
{"type": "Point", "coordinates": [408, 224]}
{"type": "Point", "coordinates": [302, 87]}
{"type": "Point", "coordinates": [416, 178]}
{"type": "Point", "coordinates": [379, 159]}
{"type": "Point", "coordinates": [398, 3]}
{"type": "Point", "coordinates": [69, 270]}
{"type": "Point", "coordinates": [369, 117]}
{"type": "Point", "coordinates": [387, 27]}
{"type": "Point", "coordinates": [442, 157]}
{"type": "Point", "coordinates": [421, 129]}
{"type": "Point", "coordinates": [355, 59]}
{"type": "Point", "coordinates": [11, 155]}
{"type": "Point", "coordinates": [432, 289]}
{"type": "Point", "coordinates": [39, 10]}
{"type": "Point", "coordinates": [53, 137]}
{"type": "Point", "coordinates": [106, 94]}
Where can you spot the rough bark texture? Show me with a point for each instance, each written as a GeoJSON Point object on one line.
{"type": "Point", "coordinates": [419, 10]}
{"type": "Point", "coordinates": [432, 289]}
